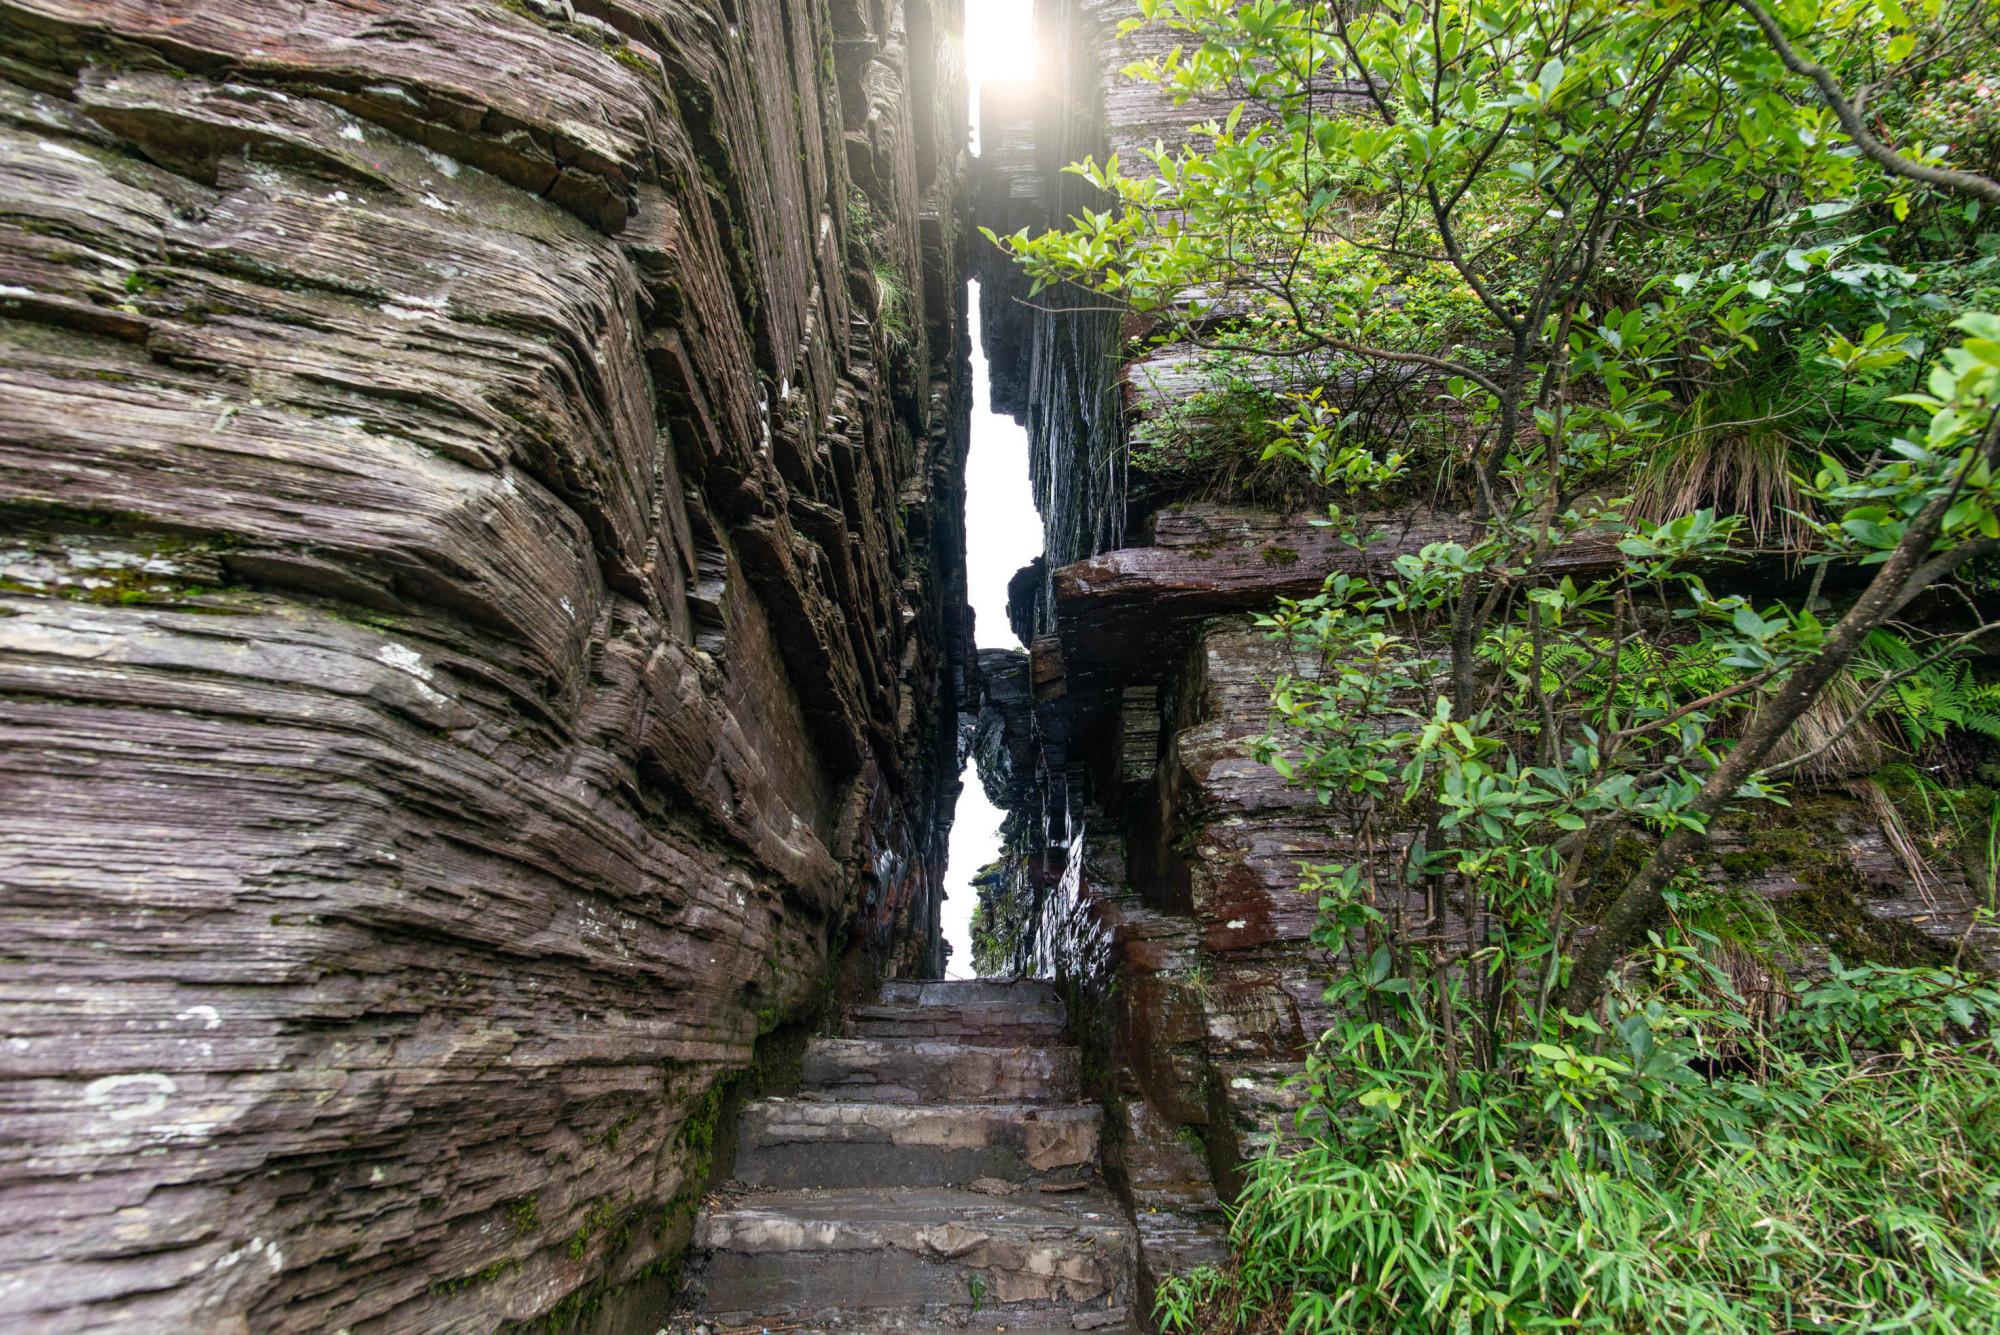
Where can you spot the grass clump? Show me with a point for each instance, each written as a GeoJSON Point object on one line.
{"type": "Point", "coordinates": [1838, 1171]}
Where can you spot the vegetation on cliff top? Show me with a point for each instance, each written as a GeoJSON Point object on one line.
{"type": "Point", "coordinates": [1690, 308]}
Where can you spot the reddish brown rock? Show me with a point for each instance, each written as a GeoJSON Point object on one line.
{"type": "Point", "coordinates": [481, 619]}
{"type": "Point", "coordinates": [1128, 614]}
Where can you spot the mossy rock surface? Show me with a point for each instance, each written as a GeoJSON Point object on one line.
{"type": "Point", "coordinates": [1801, 856]}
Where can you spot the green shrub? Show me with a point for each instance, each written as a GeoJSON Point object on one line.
{"type": "Point", "coordinates": [1626, 1179]}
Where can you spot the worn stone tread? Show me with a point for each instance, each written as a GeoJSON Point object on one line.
{"type": "Point", "coordinates": [920, 1071]}
{"type": "Point", "coordinates": [923, 1184]}
{"type": "Point", "coordinates": [959, 992]}
{"type": "Point", "coordinates": [933, 1320]}
{"type": "Point", "coordinates": [888, 1208]}
{"type": "Point", "coordinates": [800, 1143]}
{"type": "Point", "coordinates": [968, 1024]}
{"type": "Point", "coordinates": [923, 1247]}
{"type": "Point", "coordinates": [975, 1010]}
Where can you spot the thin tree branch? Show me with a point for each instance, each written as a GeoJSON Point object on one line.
{"type": "Point", "coordinates": [1849, 115]}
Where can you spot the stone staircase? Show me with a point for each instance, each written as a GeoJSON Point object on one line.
{"type": "Point", "coordinates": [937, 1171]}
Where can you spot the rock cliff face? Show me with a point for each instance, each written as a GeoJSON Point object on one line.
{"type": "Point", "coordinates": [481, 625]}
{"type": "Point", "coordinates": [1156, 862]}
{"type": "Point", "coordinates": [1054, 358]}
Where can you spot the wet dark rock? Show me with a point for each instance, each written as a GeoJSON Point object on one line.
{"type": "Point", "coordinates": [1026, 592]}
{"type": "Point", "coordinates": [1009, 196]}
{"type": "Point", "coordinates": [1004, 744]}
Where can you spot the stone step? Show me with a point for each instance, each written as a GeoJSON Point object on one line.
{"type": "Point", "coordinates": [930, 1071]}
{"type": "Point", "coordinates": [917, 1258]}
{"type": "Point", "coordinates": [970, 1010]}
{"type": "Point", "coordinates": [1004, 1026]}
{"type": "Point", "coordinates": [968, 992]}
{"type": "Point", "coordinates": [800, 1143]}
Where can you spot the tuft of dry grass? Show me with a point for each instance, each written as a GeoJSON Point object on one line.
{"type": "Point", "coordinates": [1861, 749]}
{"type": "Point", "coordinates": [1731, 454]}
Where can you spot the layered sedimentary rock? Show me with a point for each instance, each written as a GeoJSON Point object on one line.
{"type": "Point", "coordinates": [481, 625]}
{"type": "Point", "coordinates": [1054, 356]}
{"type": "Point", "coordinates": [1156, 862]}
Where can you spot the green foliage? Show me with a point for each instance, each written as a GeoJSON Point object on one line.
{"type": "Point", "coordinates": [895, 303]}
{"type": "Point", "coordinates": [1205, 432]}
{"type": "Point", "coordinates": [1928, 699]}
{"type": "Point", "coordinates": [1515, 716]}
{"type": "Point", "coordinates": [616, 1131]}
{"type": "Point", "coordinates": [524, 1215]}
{"type": "Point", "coordinates": [869, 246]}
{"type": "Point", "coordinates": [1727, 450]}
{"type": "Point", "coordinates": [1001, 922]}
{"type": "Point", "coordinates": [1959, 822]}
{"type": "Point", "coordinates": [1867, 1006]}
{"type": "Point", "coordinates": [598, 1219]}
{"type": "Point", "coordinates": [1662, 316]}
{"type": "Point", "coordinates": [1624, 1178]}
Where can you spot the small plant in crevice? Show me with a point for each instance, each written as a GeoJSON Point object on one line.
{"type": "Point", "coordinates": [894, 299]}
